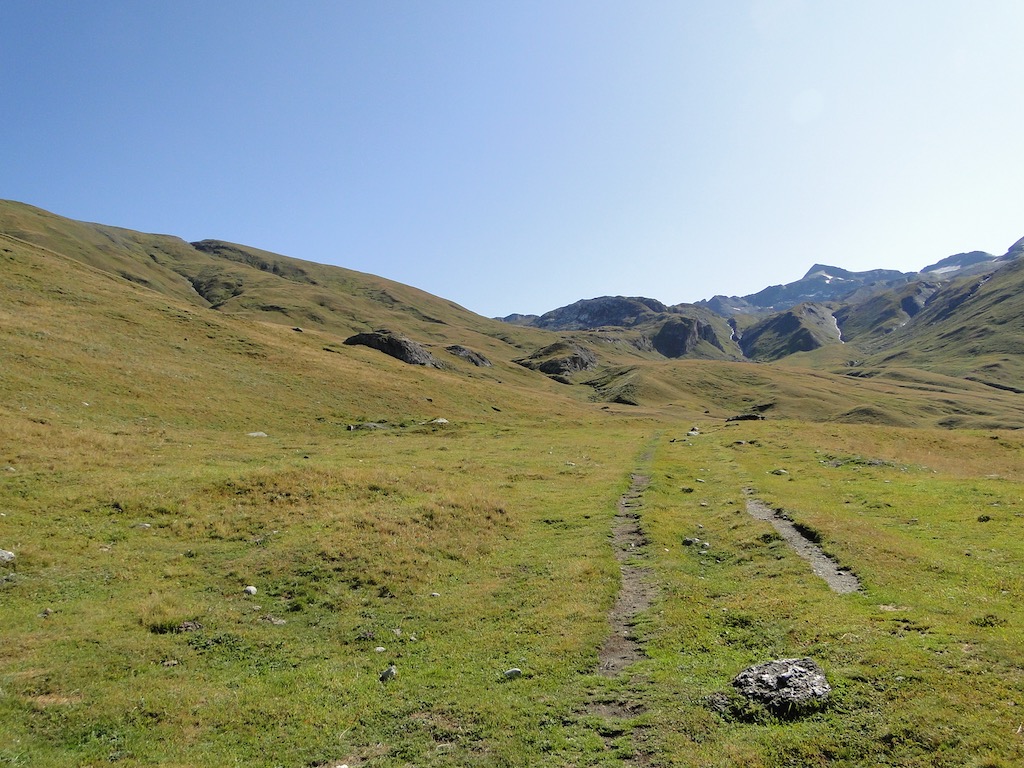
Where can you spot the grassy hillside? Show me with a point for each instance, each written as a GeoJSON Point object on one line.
{"type": "Point", "coordinates": [258, 285]}
{"type": "Point", "coordinates": [973, 328]}
{"type": "Point", "coordinates": [160, 451]}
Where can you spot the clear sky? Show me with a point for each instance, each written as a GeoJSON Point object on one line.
{"type": "Point", "coordinates": [518, 155]}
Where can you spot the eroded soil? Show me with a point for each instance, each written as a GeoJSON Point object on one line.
{"type": "Point", "coordinates": [839, 579]}
{"type": "Point", "coordinates": [621, 648]}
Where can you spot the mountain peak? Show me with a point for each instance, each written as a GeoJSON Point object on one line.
{"type": "Point", "coordinates": [830, 273]}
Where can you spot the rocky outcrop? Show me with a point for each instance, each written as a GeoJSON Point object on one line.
{"type": "Point", "coordinates": [469, 355]}
{"type": "Point", "coordinates": [518, 319]}
{"type": "Point", "coordinates": [800, 329]}
{"type": "Point", "coordinates": [406, 350]}
{"type": "Point", "coordinates": [785, 686]}
{"type": "Point", "coordinates": [560, 359]}
{"type": "Point", "coordinates": [679, 336]}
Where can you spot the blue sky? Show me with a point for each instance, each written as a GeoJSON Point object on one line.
{"type": "Point", "coordinates": [518, 156]}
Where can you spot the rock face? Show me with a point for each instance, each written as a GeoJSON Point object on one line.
{"type": "Point", "coordinates": [560, 359]}
{"type": "Point", "coordinates": [785, 686]}
{"type": "Point", "coordinates": [680, 335]}
{"type": "Point", "coordinates": [799, 329]}
{"type": "Point", "coordinates": [406, 350]}
{"type": "Point", "coordinates": [468, 354]}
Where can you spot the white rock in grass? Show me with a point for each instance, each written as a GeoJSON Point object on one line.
{"type": "Point", "coordinates": [250, 590]}
{"type": "Point", "coordinates": [512, 674]}
{"type": "Point", "coordinates": [256, 434]}
{"type": "Point", "coordinates": [6, 557]}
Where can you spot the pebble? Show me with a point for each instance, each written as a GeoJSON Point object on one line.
{"type": "Point", "coordinates": [380, 649]}
{"type": "Point", "coordinates": [250, 590]}
{"type": "Point", "coordinates": [6, 557]}
{"type": "Point", "coordinates": [512, 674]}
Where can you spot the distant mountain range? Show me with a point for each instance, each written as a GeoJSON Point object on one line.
{"type": "Point", "coordinates": [822, 283]}
{"type": "Point", "coordinates": [828, 305]}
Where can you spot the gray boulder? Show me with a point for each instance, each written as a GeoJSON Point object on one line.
{"type": "Point", "coordinates": [746, 417]}
{"type": "Point", "coordinates": [468, 354]}
{"type": "Point", "coordinates": [784, 686]}
{"type": "Point", "coordinates": [406, 350]}
{"type": "Point", "coordinates": [560, 359]}
{"type": "Point", "coordinates": [6, 558]}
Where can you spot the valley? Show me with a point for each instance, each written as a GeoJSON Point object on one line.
{"type": "Point", "coordinates": [179, 422]}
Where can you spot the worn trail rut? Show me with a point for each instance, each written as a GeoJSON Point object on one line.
{"type": "Point", "coordinates": [839, 579]}
{"type": "Point", "coordinates": [621, 648]}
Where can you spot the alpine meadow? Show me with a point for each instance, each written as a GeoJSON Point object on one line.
{"type": "Point", "coordinates": [260, 511]}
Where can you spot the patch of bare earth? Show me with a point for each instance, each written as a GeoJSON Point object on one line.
{"type": "Point", "coordinates": [839, 579]}
{"type": "Point", "coordinates": [622, 647]}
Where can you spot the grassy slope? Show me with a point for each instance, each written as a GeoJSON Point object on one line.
{"type": "Point", "coordinates": [973, 328]}
{"type": "Point", "coordinates": [136, 501]}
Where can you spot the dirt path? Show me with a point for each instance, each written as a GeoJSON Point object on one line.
{"type": "Point", "coordinates": [839, 579]}
{"type": "Point", "coordinates": [621, 648]}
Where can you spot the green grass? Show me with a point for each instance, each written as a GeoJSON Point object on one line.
{"type": "Point", "coordinates": [139, 507]}
{"type": "Point", "coordinates": [347, 548]}
{"type": "Point", "coordinates": [509, 527]}
{"type": "Point", "coordinates": [922, 662]}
